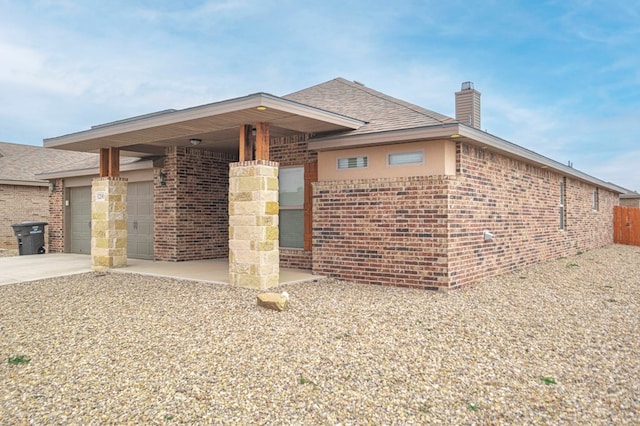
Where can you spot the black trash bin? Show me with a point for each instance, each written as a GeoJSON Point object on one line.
{"type": "Point", "coordinates": [30, 237]}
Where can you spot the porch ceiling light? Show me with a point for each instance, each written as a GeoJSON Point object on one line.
{"type": "Point", "coordinates": [261, 108]}
{"type": "Point", "coordinates": [455, 135]}
{"type": "Point", "coordinates": [195, 142]}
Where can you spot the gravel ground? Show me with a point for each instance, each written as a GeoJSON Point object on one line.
{"type": "Point", "coordinates": [557, 343]}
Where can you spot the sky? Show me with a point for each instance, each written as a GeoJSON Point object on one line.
{"type": "Point", "coordinates": [561, 78]}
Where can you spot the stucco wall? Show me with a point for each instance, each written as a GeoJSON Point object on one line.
{"type": "Point", "coordinates": [439, 159]}
{"type": "Point", "coordinates": [20, 203]}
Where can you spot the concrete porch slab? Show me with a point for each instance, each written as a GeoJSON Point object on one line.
{"type": "Point", "coordinates": [18, 269]}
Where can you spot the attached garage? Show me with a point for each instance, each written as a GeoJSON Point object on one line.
{"type": "Point", "coordinates": [75, 201]}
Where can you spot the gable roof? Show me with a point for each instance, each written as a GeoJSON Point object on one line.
{"type": "Point", "coordinates": [19, 164]}
{"type": "Point", "coordinates": [380, 112]}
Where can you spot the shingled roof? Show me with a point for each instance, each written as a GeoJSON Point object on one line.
{"type": "Point", "coordinates": [19, 164]}
{"type": "Point", "coordinates": [380, 112]}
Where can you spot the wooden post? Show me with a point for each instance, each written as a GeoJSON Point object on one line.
{"type": "Point", "coordinates": [109, 162]}
{"type": "Point", "coordinates": [246, 143]}
{"type": "Point", "coordinates": [262, 141]}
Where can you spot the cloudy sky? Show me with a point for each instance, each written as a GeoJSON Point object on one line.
{"type": "Point", "coordinates": [561, 77]}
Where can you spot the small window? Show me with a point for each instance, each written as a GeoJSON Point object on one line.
{"type": "Point", "coordinates": [403, 158]}
{"type": "Point", "coordinates": [291, 199]}
{"type": "Point", "coordinates": [353, 162]}
{"type": "Point", "coordinates": [596, 199]}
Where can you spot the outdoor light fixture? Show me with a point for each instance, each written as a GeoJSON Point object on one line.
{"type": "Point", "coordinates": [195, 142]}
{"type": "Point", "coordinates": [261, 108]}
{"type": "Point", "coordinates": [253, 131]}
{"type": "Point", "coordinates": [163, 178]}
{"type": "Point", "coordinates": [52, 186]}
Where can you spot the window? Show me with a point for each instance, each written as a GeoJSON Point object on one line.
{"type": "Point", "coordinates": [291, 193]}
{"type": "Point", "coordinates": [353, 162]}
{"type": "Point", "coordinates": [403, 158]}
{"type": "Point", "coordinates": [563, 200]}
{"type": "Point", "coordinates": [596, 199]}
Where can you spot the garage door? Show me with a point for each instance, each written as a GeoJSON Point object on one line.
{"type": "Point", "coordinates": [80, 220]}
{"type": "Point", "coordinates": [140, 220]}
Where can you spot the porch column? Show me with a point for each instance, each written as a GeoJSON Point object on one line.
{"type": "Point", "coordinates": [254, 252]}
{"type": "Point", "coordinates": [109, 214]}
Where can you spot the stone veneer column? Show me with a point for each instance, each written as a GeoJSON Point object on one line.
{"type": "Point", "coordinates": [254, 258]}
{"type": "Point", "coordinates": [108, 223]}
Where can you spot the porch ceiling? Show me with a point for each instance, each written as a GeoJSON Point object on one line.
{"type": "Point", "coordinates": [217, 125]}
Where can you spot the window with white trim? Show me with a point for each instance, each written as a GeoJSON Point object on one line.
{"type": "Point", "coordinates": [405, 158]}
{"type": "Point", "coordinates": [291, 199]}
{"type": "Point", "coordinates": [359, 162]}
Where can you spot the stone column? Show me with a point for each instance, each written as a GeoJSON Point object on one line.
{"type": "Point", "coordinates": [254, 251]}
{"type": "Point", "coordinates": [108, 223]}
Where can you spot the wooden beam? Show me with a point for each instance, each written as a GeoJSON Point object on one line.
{"type": "Point", "coordinates": [262, 141]}
{"type": "Point", "coordinates": [104, 162]}
{"type": "Point", "coordinates": [246, 143]}
{"type": "Point", "coordinates": [114, 162]}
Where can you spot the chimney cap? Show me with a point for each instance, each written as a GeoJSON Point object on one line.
{"type": "Point", "coordinates": [467, 85]}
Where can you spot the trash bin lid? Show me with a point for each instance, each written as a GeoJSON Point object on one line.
{"type": "Point", "coordinates": [22, 224]}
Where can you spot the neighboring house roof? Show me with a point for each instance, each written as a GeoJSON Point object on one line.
{"type": "Point", "coordinates": [380, 112]}
{"type": "Point", "coordinates": [19, 164]}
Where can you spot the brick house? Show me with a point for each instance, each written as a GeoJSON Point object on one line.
{"type": "Point", "coordinates": [24, 196]}
{"type": "Point", "coordinates": [337, 178]}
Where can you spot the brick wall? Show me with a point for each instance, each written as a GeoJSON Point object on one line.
{"type": "Point", "coordinates": [519, 204]}
{"type": "Point", "coordinates": [390, 231]}
{"type": "Point", "coordinates": [191, 210]}
{"type": "Point", "coordinates": [20, 203]}
{"type": "Point", "coordinates": [427, 232]}
{"type": "Point", "coordinates": [56, 217]}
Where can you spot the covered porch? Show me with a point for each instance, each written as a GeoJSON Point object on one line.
{"type": "Point", "coordinates": [235, 135]}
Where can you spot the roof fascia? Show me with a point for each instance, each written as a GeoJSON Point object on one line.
{"type": "Point", "coordinates": [202, 111]}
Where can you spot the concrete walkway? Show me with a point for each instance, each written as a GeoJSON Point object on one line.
{"type": "Point", "coordinates": [18, 269]}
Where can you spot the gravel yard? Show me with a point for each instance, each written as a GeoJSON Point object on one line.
{"type": "Point", "coordinates": [557, 343]}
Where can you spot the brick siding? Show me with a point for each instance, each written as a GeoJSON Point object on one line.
{"type": "Point", "coordinates": [390, 231]}
{"type": "Point", "coordinates": [519, 204]}
{"type": "Point", "coordinates": [56, 217]}
{"type": "Point", "coordinates": [19, 203]}
{"type": "Point", "coordinates": [427, 232]}
{"type": "Point", "coordinates": [191, 217]}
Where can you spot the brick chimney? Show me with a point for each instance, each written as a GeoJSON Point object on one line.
{"type": "Point", "coordinates": [468, 105]}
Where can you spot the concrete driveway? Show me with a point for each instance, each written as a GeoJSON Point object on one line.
{"type": "Point", "coordinates": [18, 269]}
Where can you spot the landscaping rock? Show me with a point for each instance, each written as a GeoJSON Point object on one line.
{"type": "Point", "coordinates": [275, 301]}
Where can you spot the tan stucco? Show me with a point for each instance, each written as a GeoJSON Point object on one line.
{"type": "Point", "coordinates": [439, 159]}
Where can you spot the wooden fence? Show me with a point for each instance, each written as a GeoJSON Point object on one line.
{"type": "Point", "coordinates": [626, 225]}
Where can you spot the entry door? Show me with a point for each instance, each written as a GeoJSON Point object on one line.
{"type": "Point", "coordinates": [140, 220]}
{"type": "Point", "coordinates": [80, 219]}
